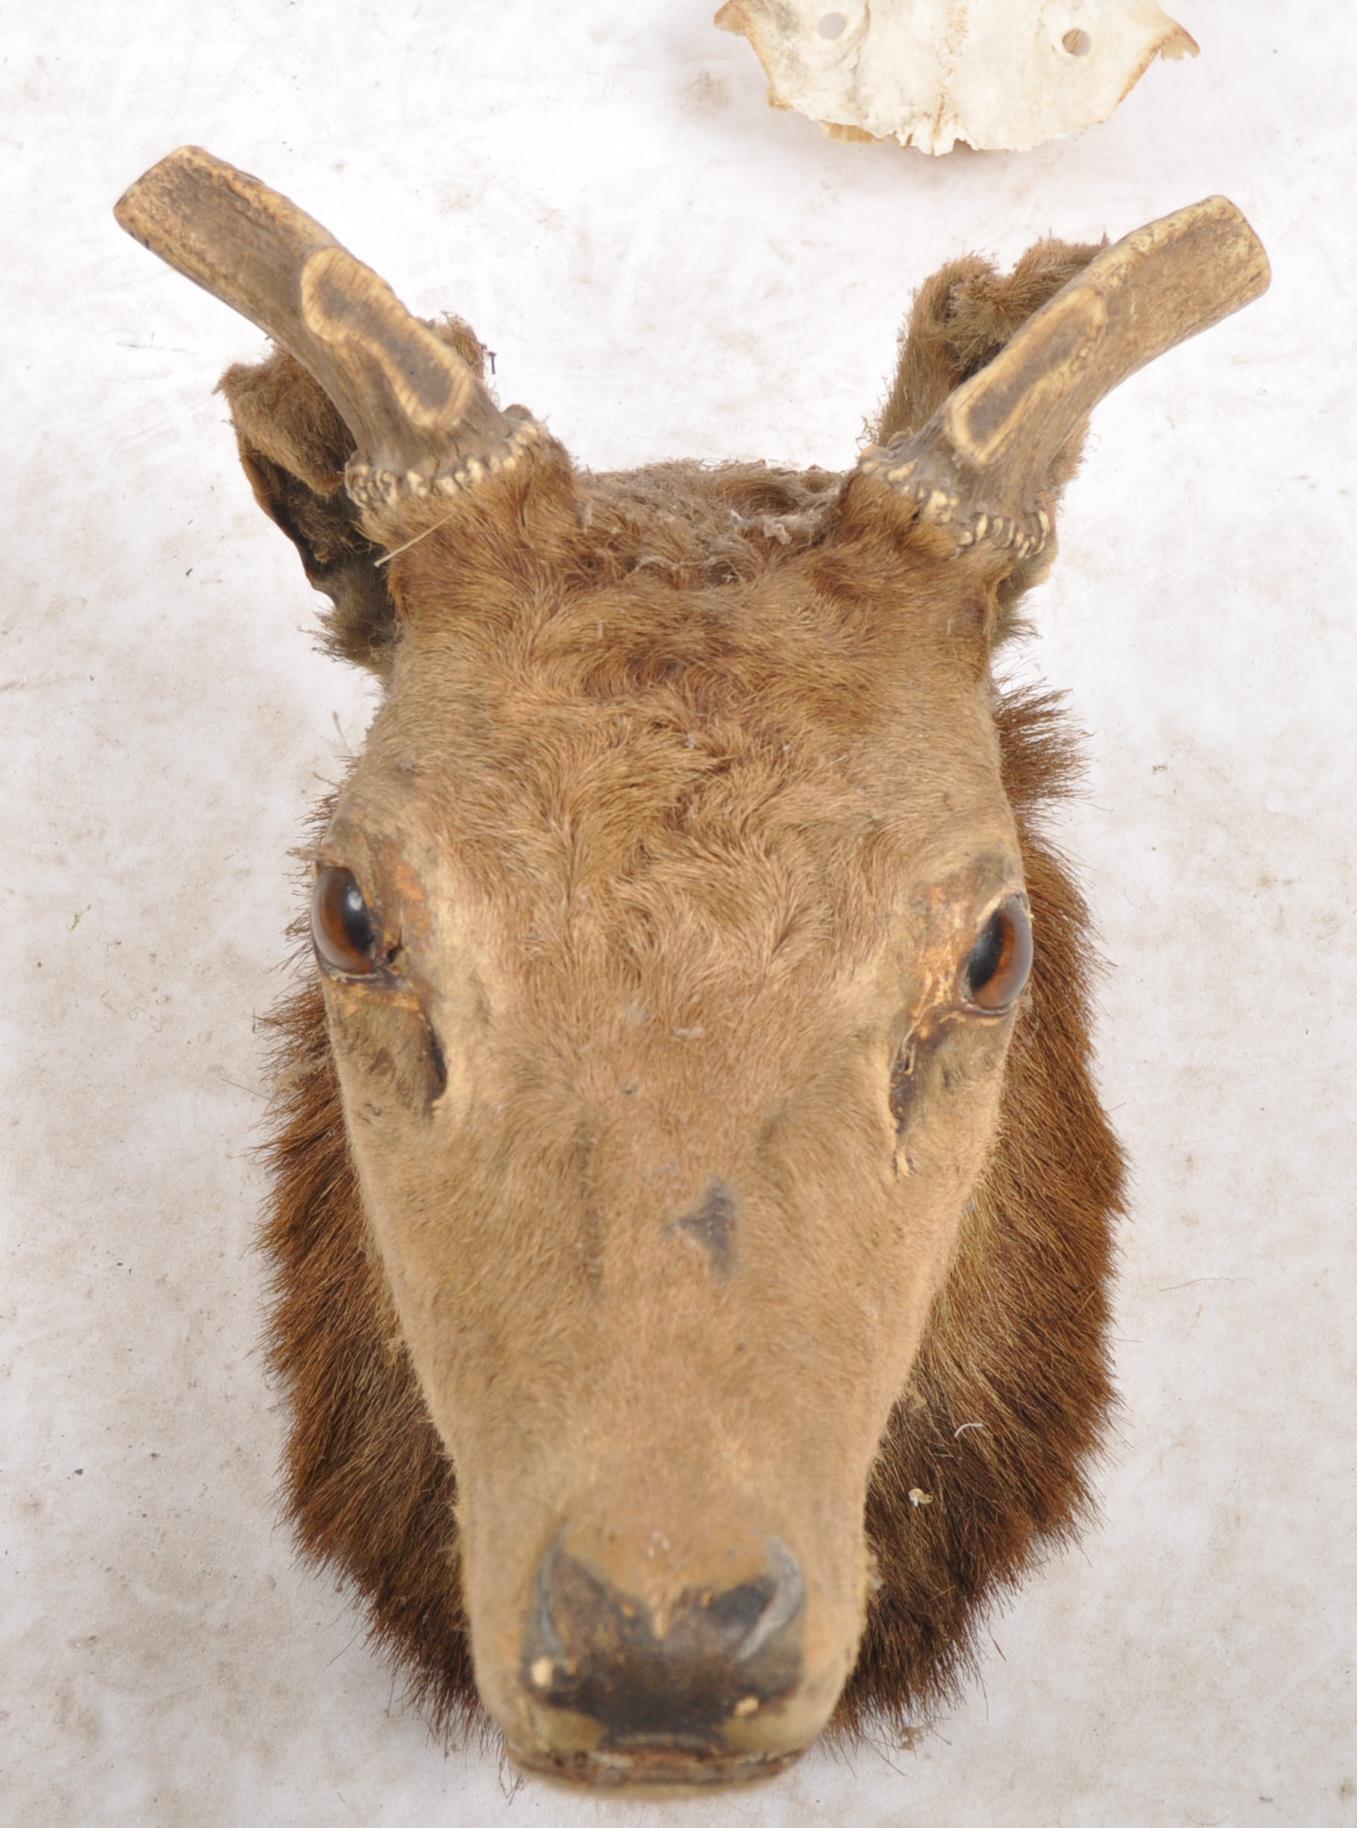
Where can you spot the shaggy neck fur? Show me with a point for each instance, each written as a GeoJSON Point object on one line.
{"type": "Point", "coordinates": [1008, 1399]}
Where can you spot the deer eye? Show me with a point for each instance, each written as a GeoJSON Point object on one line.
{"type": "Point", "coordinates": [1000, 960]}
{"type": "Point", "coordinates": [342, 928]}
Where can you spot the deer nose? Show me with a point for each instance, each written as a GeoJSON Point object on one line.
{"type": "Point", "coordinates": [675, 1677]}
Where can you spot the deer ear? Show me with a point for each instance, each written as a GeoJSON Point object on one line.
{"type": "Point", "coordinates": [961, 318]}
{"type": "Point", "coordinates": [977, 477]}
{"type": "Point", "coordinates": [293, 446]}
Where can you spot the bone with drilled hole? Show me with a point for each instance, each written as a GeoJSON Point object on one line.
{"type": "Point", "coordinates": [930, 73]}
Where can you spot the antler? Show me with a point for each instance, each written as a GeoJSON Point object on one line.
{"type": "Point", "coordinates": [977, 467]}
{"type": "Point", "coordinates": [421, 420]}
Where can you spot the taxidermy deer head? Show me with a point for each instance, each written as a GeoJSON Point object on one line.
{"type": "Point", "coordinates": [691, 1214]}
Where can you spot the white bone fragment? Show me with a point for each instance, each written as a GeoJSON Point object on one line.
{"type": "Point", "coordinates": [998, 74]}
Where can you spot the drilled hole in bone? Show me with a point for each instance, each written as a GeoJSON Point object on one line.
{"type": "Point", "coordinates": [831, 26]}
{"type": "Point", "coordinates": [1077, 43]}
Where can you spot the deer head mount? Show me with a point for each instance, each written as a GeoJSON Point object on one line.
{"type": "Point", "coordinates": [691, 1215]}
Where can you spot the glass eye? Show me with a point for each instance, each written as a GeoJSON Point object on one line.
{"type": "Point", "coordinates": [343, 930]}
{"type": "Point", "coordinates": [1001, 959]}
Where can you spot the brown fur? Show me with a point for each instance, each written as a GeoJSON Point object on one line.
{"type": "Point", "coordinates": [1016, 1344]}
{"type": "Point", "coordinates": [1009, 1392]}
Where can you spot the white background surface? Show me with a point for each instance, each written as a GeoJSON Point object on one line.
{"type": "Point", "coordinates": [664, 267]}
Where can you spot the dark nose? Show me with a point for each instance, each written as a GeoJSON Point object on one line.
{"type": "Point", "coordinates": [675, 1679]}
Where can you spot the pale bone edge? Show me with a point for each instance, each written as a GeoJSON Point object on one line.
{"type": "Point", "coordinates": [371, 486]}
{"type": "Point", "coordinates": [839, 100]}
{"type": "Point", "coordinates": [941, 505]}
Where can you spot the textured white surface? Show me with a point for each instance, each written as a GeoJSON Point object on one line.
{"type": "Point", "coordinates": [664, 268]}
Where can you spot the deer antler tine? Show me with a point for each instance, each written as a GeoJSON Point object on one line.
{"type": "Point", "coordinates": [418, 414]}
{"type": "Point", "coordinates": [978, 466]}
